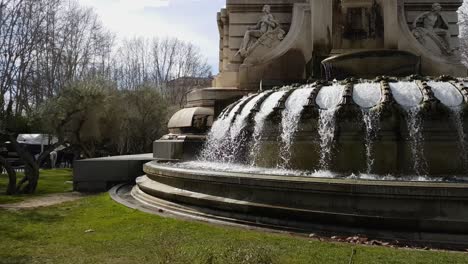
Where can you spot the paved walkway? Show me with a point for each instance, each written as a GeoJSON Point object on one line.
{"type": "Point", "coordinates": [44, 201]}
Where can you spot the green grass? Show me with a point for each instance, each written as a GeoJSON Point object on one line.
{"type": "Point", "coordinates": [122, 235]}
{"type": "Point", "coordinates": [50, 181]}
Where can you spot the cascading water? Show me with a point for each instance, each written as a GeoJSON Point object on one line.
{"type": "Point", "coordinates": [409, 96]}
{"type": "Point", "coordinates": [451, 97]}
{"type": "Point", "coordinates": [260, 118]}
{"type": "Point", "coordinates": [328, 99]}
{"type": "Point", "coordinates": [328, 70]}
{"type": "Point", "coordinates": [457, 119]}
{"type": "Point", "coordinates": [229, 144]}
{"type": "Point", "coordinates": [372, 124]}
{"type": "Point", "coordinates": [237, 136]}
{"type": "Point", "coordinates": [414, 123]}
{"type": "Point", "coordinates": [368, 95]}
{"type": "Point", "coordinates": [226, 135]}
{"type": "Point", "coordinates": [327, 126]}
{"type": "Point", "coordinates": [217, 143]}
{"type": "Point", "coordinates": [290, 122]}
{"type": "Point", "coordinates": [446, 93]}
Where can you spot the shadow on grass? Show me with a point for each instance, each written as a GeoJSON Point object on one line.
{"type": "Point", "coordinates": [6, 259]}
{"type": "Point", "coordinates": [12, 223]}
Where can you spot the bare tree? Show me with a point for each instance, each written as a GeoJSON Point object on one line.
{"type": "Point", "coordinates": [158, 63]}
{"type": "Point", "coordinates": [44, 45]}
{"type": "Point", "coordinates": [20, 25]}
{"type": "Point", "coordinates": [133, 64]}
{"type": "Point", "coordinates": [49, 46]}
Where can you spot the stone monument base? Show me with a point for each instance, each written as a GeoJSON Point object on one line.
{"type": "Point", "coordinates": [101, 174]}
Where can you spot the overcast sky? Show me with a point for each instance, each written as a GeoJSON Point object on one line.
{"type": "Point", "coordinates": [190, 20]}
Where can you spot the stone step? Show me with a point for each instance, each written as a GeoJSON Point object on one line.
{"type": "Point", "coordinates": [221, 209]}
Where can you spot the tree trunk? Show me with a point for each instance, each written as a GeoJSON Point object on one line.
{"type": "Point", "coordinates": [11, 189]}
{"type": "Point", "coordinates": [32, 175]}
{"type": "Point", "coordinates": [32, 166]}
{"type": "Point", "coordinates": [31, 169]}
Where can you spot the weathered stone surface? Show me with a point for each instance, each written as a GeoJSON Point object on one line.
{"type": "Point", "coordinates": [424, 212]}
{"type": "Point", "coordinates": [316, 30]}
{"type": "Point", "coordinates": [433, 31]}
{"type": "Point", "coordinates": [176, 148]}
{"type": "Point", "coordinates": [368, 64]}
{"type": "Point", "coordinates": [99, 175]}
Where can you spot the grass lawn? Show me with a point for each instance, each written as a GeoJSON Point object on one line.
{"type": "Point", "coordinates": [50, 181]}
{"type": "Point", "coordinates": [122, 235]}
{"type": "Point", "coordinates": [98, 230]}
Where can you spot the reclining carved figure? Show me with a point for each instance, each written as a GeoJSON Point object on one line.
{"type": "Point", "coordinates": [266, 24]}
{"type": "Point", "coordinates": [435, 27]}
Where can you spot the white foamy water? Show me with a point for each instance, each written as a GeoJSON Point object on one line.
{"type": "Point", "coordinates": [236, 137]}
{"type": "Point", "coordinates": [410, 178]}
{"type": "Point", "coordinates": [367, 95]}
{"type": "Point", "coordinates": [217, 141]}
{"type": "Point", "coordinates": [407, 94]}
{"type": "Point", "coordinates": [260, 118]}
{"type": "Point", "coordinates": [326, 130]}
{"type": "Point", "coordinates": [446, 93]}
{"type": "Point", "coordinates": [372, 123]}
{"type": "Point", "coordinates": [457, 119]}
{"type": "Point", "coordinates": [330, 96]}
{"type": "Point", "coordinates": [290, 122]}
{"type": "Point", "coordinates": [414, 124]}
{"type": "Point", "coordinates": [246, 169]}
{"type": "Point", "coordinates": [328, 99]}
{"type": "Point", "coordinates": [241, 120]}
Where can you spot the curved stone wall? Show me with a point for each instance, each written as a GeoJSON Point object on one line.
{"type": "Point", "coordinates": [429, 212]}
{"type": "Point", "coordinates": [382, 126]}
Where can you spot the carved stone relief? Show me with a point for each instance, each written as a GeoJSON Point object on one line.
{"type": "Point", "coordinates": [265, 34]}
{"type": "Point", "coordinates": [431, 29]}
{"type": "Point", "coordinates": [357, 24]}
{"type": "Point", "coordinates": [363, 22]}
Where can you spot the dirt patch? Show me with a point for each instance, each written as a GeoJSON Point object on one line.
{"type": "Point", "coordinates": [44, 201]}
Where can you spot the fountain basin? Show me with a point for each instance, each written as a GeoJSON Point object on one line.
{"type": "Point", "coordinates": [371, 63]}
{"type": "Point", "coordinates": [392, 151]}
{"type": "Point", "coordinates": [424, 211]}
{"type": "Point", "coordinates": [384, 126]}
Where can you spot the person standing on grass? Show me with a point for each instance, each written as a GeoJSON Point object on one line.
{"type": "Point", "coordinates": [53, 159]}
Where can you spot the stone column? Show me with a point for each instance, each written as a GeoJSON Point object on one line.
{"type": "Point", "coordinates": [221, 41]}
{"type": "Point", "coordinates": [226, 51]}
{"type": "Point", "coordinates": [322, 26]}
{"type": "Point", "coordinates": [391, 26]}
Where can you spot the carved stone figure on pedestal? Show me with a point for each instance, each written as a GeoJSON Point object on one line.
{"type": "Point", "coordinates": [266, 31]}
{"type": "Point", "coordinates": [432, 26]}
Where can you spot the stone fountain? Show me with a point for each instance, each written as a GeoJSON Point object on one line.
{"type": "Point", "coordinates": [336, 116]}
